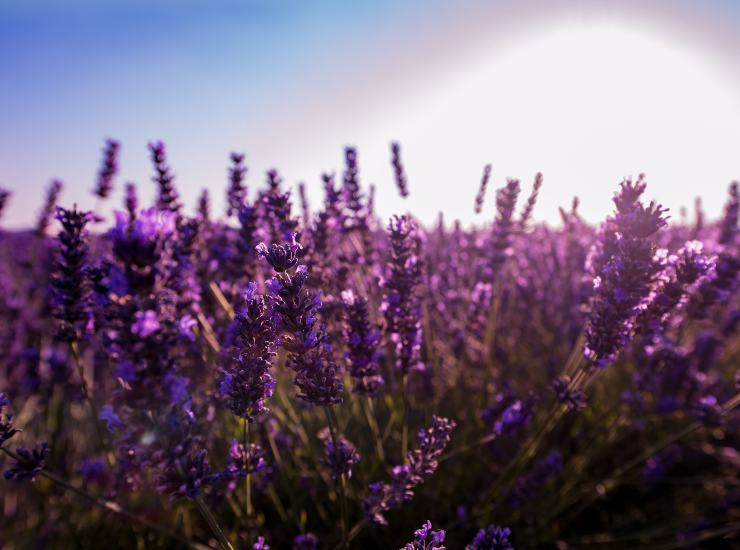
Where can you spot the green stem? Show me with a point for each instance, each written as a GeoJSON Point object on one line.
{"type": "Point", "coordinates": [74, 348]}
{"type": "Point", "coordinates": [333, 427]}
{"type": "Point", "coordinates": [248, 478]}
{"type": "Point", "coordinates": [212, 523]}
{"type": "Point", "coordinates": [373, 424]}
{"type": "Point", "coordinates": [405, 421]}
{"type": "Point", "coordinates": [108, 505]}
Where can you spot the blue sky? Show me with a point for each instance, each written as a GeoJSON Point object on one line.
{"type": "Point", "coordinates": [289, 82]}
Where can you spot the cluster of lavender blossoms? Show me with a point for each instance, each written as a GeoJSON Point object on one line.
{"type": "Point", "coordinates": [175, 378]}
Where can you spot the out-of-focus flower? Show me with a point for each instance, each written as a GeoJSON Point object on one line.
{"type": "Point", "coordinates": [108, 169]}
{"type": "Point", "coordinates": [168, 198]}
{"type": "Point", "coordinates": [6, 420]}
{"type": "Point", "coordinates": [237, 192]}
{"type": "Point", "coordinates": [401, 305]}
{"type": "Point", "coordinates": [47, 210]}
{"type": "Point", "coordinates": [481, 194]}
{"type": "Point", "coordinates": [363, 342]}
{"type": "Point", "coordinates": [307, 541]}
{"type": "Point", "coordinates": [260, 544]}
{"type": "Point", "coordinates": [30, 463]}
{"type": "Point", "coordinates": [398, 172]}
{"type": "Point", "coordinates": [491, 538]}
{"type": "Point", "coordinates": [340, 458]}
{"type": "Point", "coordinates": [728, 226]}
{"type": "Point", "coordinates": [567, 395]}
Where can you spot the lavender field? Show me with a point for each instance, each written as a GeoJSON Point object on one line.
{"type": "Point", "coordinates": [274, 377]}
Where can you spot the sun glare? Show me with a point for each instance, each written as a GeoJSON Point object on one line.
{"type": "Point", "coordinates": [586, 105]}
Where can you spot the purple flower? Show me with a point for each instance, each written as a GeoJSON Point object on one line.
{"type": "Point", "coordinates": [168, 198]}
{"type": "Point", "coordinates": [624, 266]}
{"type": "Point", "coordinates": [280, 256]}
{"type": "Point", "coordinates": [481, 194]}
{"type": "Point", "coordinates": [531, 201]}
{"type": "Point", "coordinates": [398, 172]}
{"type": "Point", "coordinates": [362, 341]}
{"type": "Point", "coordinates": [340, 458]}
{"type": "Point", "coordinates": [355, 217]}
{"type": "Point", "coordinates": [247, 382]}
{"type": "Point", "coordinates": [108, 169]}
{"type": "Point", "coordinates": [401, 305]}
{"type": "Point", "coordinates": [29, 464]}
{"type": "Point", "coordinates": [70, 282]}
{"type": "Point", "coordinates": [421, 463]}
{"type": "Point", "coordinates": [566, 395]}
{"type": "Point", "coordinates": [492, 538]}
{"type": "Point", "coordinates": [49, 207]}
{"type": "Point", "coordinates": [6, 420]}
{"type": "Point", "coordinates": [260, 544]}
{"type": "Point", "coordinates": [306, 541]}
{"type": "Point", "coordinates": [111, 419]}
{"type": "Point", "coordinates": [243, 462]}
{"type": "Point", "coordinates": [237, 192]}
{"type": "Point", "coordinates": [426, 539]}
{"type": "Point", "coordinates": [145, 323]}
{"type": "Point", "coordinates": [503, 226]}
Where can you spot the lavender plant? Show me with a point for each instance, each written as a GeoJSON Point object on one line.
{"type": "Point", "coordinates": [184, 381]}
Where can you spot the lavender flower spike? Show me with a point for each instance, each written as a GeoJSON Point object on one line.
{"type": "Point", "coordinates": [421, 463]}
{"type": "Point", "coordinates": [624, 266]}
{"type": "Point", "coordinates": [108, 169]}
{"type": "Point", "coordinates": [426, 539]}
{"type": "Point", "coordinates": [70, 283]}
{"type": "Point", "coordinates": [247, 382]}
{"type": "Point", "coordinates": [50, 203]}
{"type": "Point", "coordinates": [491, 538]}
{"type": "Point", "coordinates": [398, 171]}
{"type": "Point", "coordinates": [401, 305]}
{"type": "Point", "coordinates": [363, 342]}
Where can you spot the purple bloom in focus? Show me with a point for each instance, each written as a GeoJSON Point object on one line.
{"type": "Point", "coordinates": [70, 281]}
{"type": "Point", "coordinates": [421, 463]}
{"type": "Point", "coordinates": [624, 266]}
{"type": "Point", "coordinates": [280, 256]}
{"type": "Point", "coordinates": [247, 382]}
{"type": "Point", "coordinates": [435, 539]}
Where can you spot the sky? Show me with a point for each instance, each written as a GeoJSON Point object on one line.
{"type": "Point", "coordinates": [587, 92]}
